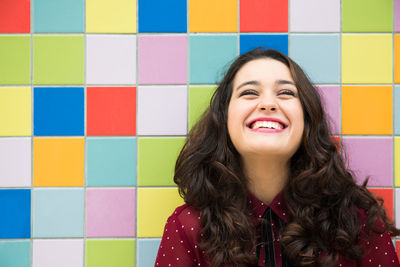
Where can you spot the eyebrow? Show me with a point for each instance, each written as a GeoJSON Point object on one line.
{"type": "Point", "coordinates": [254, 82]}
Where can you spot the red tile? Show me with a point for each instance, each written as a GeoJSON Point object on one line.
{"type": "Point", "coordinates": [387, 195]}
{"type": "Point", "coordinates": [15, 16]}
{"type": "Point", "coordinates": [111, 111]}
{"type": "Point", "coordinates": [264, 16]}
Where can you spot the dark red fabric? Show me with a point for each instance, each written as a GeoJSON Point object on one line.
{"type": "Point", "coordinates": [179, 244]}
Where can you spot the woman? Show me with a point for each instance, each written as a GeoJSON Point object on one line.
{"type": "Point", "coordinates": [264, 184]}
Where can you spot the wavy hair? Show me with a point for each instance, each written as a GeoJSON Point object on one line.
{"type": "Point", "coordinates": [321, 194]}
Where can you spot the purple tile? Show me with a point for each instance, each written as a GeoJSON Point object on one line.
{"type": "Point", "coordinates": [397, 15]}
{"type": "Point", "coordinates": [162, 59]}
{"type": "Point", "coordinates": [330, 96]}
{"type": "Point", "coordinates": [370, 157]}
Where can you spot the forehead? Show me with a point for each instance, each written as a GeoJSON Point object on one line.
{"type": "Point", "coordinates": [264, 70]}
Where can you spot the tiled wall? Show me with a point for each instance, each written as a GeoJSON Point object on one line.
{"type": "Point", "coordinates": [97, 96]}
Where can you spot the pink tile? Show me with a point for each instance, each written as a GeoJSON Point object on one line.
{"type": "Point", "coordinates": [110, 212]}
{"type": "Point", "coordinates": [330, 97]}
{"type": "Point", "coordinates": [162, 59]}
{"type": "Point", "coordinates": [370, 157]}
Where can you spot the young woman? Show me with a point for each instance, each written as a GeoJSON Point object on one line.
{"type": "Point", "coordinates": [265, 185]}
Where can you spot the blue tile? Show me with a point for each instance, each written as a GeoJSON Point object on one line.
{"type": "Point", "coordinates": [15, 213]}
{"type": "Point", "coordinates": [58, 212]}
{"type": "Point", "coordinates": [209, 55]}
{"type": "Point", "coordinates": [111, 161]}
{"type": "Point", "coordinates": [58, 16]}
{"type": "Point", "coordinates": [147, 251]}
{"type": "Point", "coordinates": [396, 115]}
{"type": "Point", "coordinates": [15, 253]}
{"type": "Point", "coordinates": [162, 16]}
{"type": "Point", "coordinates": [318, 55]}
{"type": "Point", "coordinates": [251, 41]}
{"type": "Point", "coordinates": [58, 111]}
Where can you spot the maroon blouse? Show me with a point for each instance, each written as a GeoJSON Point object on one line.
{"type": "Point", "coordinates": [179, 244]}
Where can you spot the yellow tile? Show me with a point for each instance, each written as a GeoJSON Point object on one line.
{"type": "Point", "coordinates": [367, 58]}
{"type": "Point", "coordinates": [117, 16]}
{"type": "Point", "coordinates": [155, 205]}
{"type": "Point", "coordinates": [367, 110]}
{"type": "Point", "coordinates": [397, 161]}
{"type": "Point", "coordinates": [212, 16]}
{"type": "Point", "coordinates": [15, 111]}
{"type": "Point", "coordinates": [58, 161]}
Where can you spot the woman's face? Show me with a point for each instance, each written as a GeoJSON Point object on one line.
{"type": "Point", "coordinates": [265, 116]}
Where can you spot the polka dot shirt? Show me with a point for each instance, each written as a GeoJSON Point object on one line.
{"type": "Point", "coordinates": [179, 244]}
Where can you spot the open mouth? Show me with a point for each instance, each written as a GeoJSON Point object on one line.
{"type": "Point", "coordinates": [259, 124]}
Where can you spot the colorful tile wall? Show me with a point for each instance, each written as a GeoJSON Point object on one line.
{"type": "Point", "coordinates": [97, 97]}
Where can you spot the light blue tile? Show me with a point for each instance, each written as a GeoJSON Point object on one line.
{"type": "Point", "coordinates": [396, 114]}
{"type": "Point", "coordinates": [318, 55]}
{"type": "Point", "coordinates": [58, 212]}
{"type": "Point", "coordinates": [147, 251]}
{"type": "Point", "coordinates": [209, 57]}
{"type": "Point", "coordinates": [58, 16]}
{"type": "Point", "coordinates": [15, 253]}
{"type": "Point", "coordinates": [111, 161]}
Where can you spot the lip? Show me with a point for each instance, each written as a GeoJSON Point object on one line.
{"type": "Point", "coordinates": [267, 119]}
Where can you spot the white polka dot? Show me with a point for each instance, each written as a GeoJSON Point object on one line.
{"type": "Point", "coordinates": [195, 246]}
{"type": "Point", "coordinates": [166, 230]}
{"type": "Point", "coordinates": [176, 230]}
{"type": "Point", "coordinates": [173, 221]}
{"type": "Point", "coordinates": [284, 214]}
{"type": "Point", "coordinates": [183, 226]}
{"type": "Point", "coordinates": [279, 203]}
{"type": "Point", "coordinates": [157, 263]}
{"type": "Point", "coordinates": [369, 260]}
{"type": "Point", "coordinates": [192, 228]}
{"type": "Point", "coordinates": [340, 265]}
{"type": "Point", "coordinates": [181, 241]}
{"type": "Point", "coordinates": [376, 247]}
{"type": "Point", "coordinates": [169, 264]}
{"type": "Point", "coordinates": [385, 253]}
{"type": "Point", "coordinates": [392, 260]}
{"type": "Point", "coordinates": [259, 216]}
{"type": "Point", "coordinates": [198, 217]}
{"type": "Point", "coordinates": [177, 259]}
{"type": "Point", "coordinates": [163, 255]}
{"type": "Point", "coordinates": [167, 237]}
{"type": "Point", "coordinates": [379, 265]}
{"type": "Point", "coordinates": [172, 247]}
{"type": "Point", "coordinates": [262, 204]}
{"type": "Point", "coordinates": [188, 251]}
{"type": "Point", "coordinates": [188, 212]}
{"type": "Point", "coordinates": [381, 235]}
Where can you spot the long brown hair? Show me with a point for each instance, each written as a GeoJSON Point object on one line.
{"type": "Point", "coordinates": [321, 195]}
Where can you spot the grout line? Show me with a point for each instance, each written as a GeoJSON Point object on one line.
{"type": "Point", "coordinates": [32, 130]}
{"type": "Point", "coordinates": [85, 36]}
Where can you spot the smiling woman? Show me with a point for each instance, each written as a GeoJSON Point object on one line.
{"type": "Point", "coordinates": [264, 184]}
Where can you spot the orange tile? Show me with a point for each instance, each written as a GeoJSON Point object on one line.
{"type": "Point", "coordinates": [58, 161]}
{"type": "Point", "coordinates": [213, 16]}
{"type": "Point", "coordinates": [367, 110]}
{"type": "Point", "coordinates": [397, 58]}
{"type": "Point", "coordinates": [387, 195]}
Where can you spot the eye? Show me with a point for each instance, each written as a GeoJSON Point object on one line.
{"type": "Point", "coordinates": [287, 92]}
{"type": "Point", "coordinates": [249, 92]}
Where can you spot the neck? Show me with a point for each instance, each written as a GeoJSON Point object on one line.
{"type": "Point", "coordinates": [266, 176]}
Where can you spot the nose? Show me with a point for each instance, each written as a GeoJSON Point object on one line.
{"type": "Point", "coordinates": [267, 105]}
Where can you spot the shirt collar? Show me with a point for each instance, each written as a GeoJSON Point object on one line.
{"type": "Point", "coordinates": [278, 206]}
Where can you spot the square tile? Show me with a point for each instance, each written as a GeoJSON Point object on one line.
{"type": "Point", "coordinates": [397, 204]}
{"type": "Point", "coordinates": [314, 16]}
{"type": "Point", "coordinates": [367, 16]}
{"type": "Point", "coordinates": [15, 213]}
{"type": "Point", "coordinates": [15, 59]}
{"type": "Point", "coordinates": [318, 55]}
{"type": "Point", "coordinates": [58, 111]}
{"type": "Point", "coordinates": [151, 224]}
{"type": "Point", "coordinates": [397, 161]}
{"type": "Point", "coordinates": [58, 16]}
{"type": "Point", "coordinates": [162, 110]}
{"type": "Point", "coordinates": [213, 16]}
{"type": "Point", "coordinates": [16, 253]}
{"type": "Point", "coordinates": [110, 212]}
{"type": "Point", "coordinates": [15, 111]}
{"type": "Point", "coordinates": [58, 161]}
{"type": "Point", "coordinates": [16, 17]}
{"type": "Point", "coordinates": [15, 162]}
{"type": "Point", "coordinates": [367, 58]}
{"type": "Point", "coordinates": [357, 117]}
{"type": "Point", "coordinates": [251, 41]}
{"type": "Point", "coordinates": [369, 156]}
{"type": "Point", "coordinates": [162, 59]}
{"type": "Point", "coordinates": [264, 16]}
{"type": "Point", "coordinates": [330, 97]}
{"type": "Point", "coordinates": [199, 101]}
{"type": "Point", "coordinates": [106, 253]}
{"type": "Point", "coordinates": [111, 59]}
{"type": "Point", "coordinates": [60, 253]}
{"type": "Point", "coordinates": [58, 212]}
{"type": "Point", "coordinates": [396, 58]}
{"type": "Point", "coordinates": [160, 152]}
{"type": "Point", "coordinates": [162, 16]}
{"type": "Point", "coordinates": [58, 59]}
{"type": "Point", "coordinates": [111, 111]}
{"type": "Point", "coordinates": [210, 56]}
{"type": "Point", "coordinates": [147, 251]}
{"type": "Point", "coordinates": [387, 195]}
{"type": "Point", "coordinates": [111, 161]}
{"type": "Point", "coordinates": [396, 110]}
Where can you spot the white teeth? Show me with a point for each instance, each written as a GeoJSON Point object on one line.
{"type": "Point", "coordinates": [267, 124]}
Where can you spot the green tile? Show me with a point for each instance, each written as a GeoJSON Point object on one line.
{"type": "Point", "coordinates": [106, 253]}
{"type": "Point", "coordinates": [15, 59]}
{"type": "Point", "coordinates": [367, 15]}
{"type": "Point", "coordinates": [58, 59]}
{"type": "Point", "coordinates": [15, 253]}
{"type": "Point", "coordinates": [156, 160]}
{"type": "Point", "coordinates": [199, 100]}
